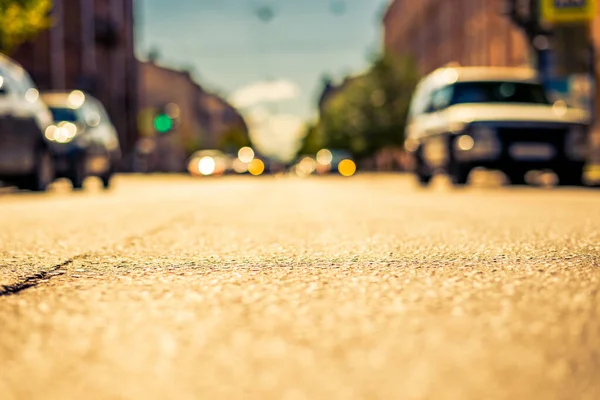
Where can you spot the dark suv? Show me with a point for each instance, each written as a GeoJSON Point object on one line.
{"type": "Point", "coordinates": [25, 158]}
{"type": "Point", "coordinates": [83, 139]}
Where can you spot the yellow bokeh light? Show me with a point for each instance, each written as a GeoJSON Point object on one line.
{"type": "Point", "coordinates": [347, 168]}
{"type": "Point", "coordinates": [324, 157]}
{"type": "Point", "coordinates": [246, 154]}
{"type": "Point", "coordinates": [466, 142]}
{"type": "Point", "coordinates": [256, 167]}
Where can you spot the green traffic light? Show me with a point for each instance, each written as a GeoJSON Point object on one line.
{"type": "Point", "coordinates": [163, 123]}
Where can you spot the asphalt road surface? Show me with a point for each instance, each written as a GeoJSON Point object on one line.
{"type": "Point", "coordinates": [288, 288]}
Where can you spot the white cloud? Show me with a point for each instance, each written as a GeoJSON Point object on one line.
{"type": "Point", "coordinates": [265, 91]}
{"type": "Point", "coordinates": [274, 134]}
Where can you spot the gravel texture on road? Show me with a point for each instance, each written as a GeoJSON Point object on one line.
{"type": "Point", "coordinates": [283, 288]}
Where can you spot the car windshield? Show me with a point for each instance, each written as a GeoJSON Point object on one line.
{"type": "Point", "coordinates": [61, 114]}
{"type": "Point", "coordinates": [498, 92]}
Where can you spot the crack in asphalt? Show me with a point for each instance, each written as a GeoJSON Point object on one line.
{"type": "Point", "coordinates": [56, 270]}
{"type": "Point", "coordinates": [34, 280]}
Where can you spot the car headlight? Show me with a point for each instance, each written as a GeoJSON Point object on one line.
{"type": "Point", "coordinates": [478, 142]}
{"type": "Point", "coordinates": [411, 145]}
{"type": "Point", "coordinates": [576, 142]}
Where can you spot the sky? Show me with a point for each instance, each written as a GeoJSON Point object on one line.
{"type": "Point", "coordinates": [271, 69]}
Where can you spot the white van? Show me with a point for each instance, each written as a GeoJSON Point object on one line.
{"type": "Point", "coordinates": [463, 118]}
{"type": "Point", "coordinates": [25, 157]}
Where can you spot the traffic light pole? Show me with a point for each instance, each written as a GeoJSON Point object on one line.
{"type": "Point", "coordinates": [537, 37]}
{"type": "Point", "coordinates": [527, 15]}
{"type": "Point", "coordinates": [595, 78]}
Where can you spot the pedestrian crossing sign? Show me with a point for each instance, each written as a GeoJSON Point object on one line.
{"type": "Point", "coordinates": [568, 11]}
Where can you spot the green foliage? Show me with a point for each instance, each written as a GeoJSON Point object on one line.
{"type": "Point", "coordinates": [369, 112]}
{"type": "Point", "coordinates": [234, 138]}
{"type": "Point", "coordinates": [312, 142]}
{"type": "Point", "coordinates": [21, 20]}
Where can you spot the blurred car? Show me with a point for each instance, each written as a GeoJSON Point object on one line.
{"type": "Point", "coordinates": [25, 156]}
{"type": "Point", "coordinates": [209, 163]}
{"type": "Point", "coordinates": [496, 118]}
{"type": "Point", "coordinates": [83, 140]}
{"type": "Point", "coordinates": [339, 159]}
{"type": "Point", "coordinates": [339, 162]}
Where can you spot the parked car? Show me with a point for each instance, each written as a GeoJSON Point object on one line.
{"type": "Point", "coordinates": [210, 163]}
{"type": "Point", "coordinates": [495, 118]}
{"type": "Point", "coordinates": [83, 139]}
{"type": "Point", "coordinates": [25, 155]}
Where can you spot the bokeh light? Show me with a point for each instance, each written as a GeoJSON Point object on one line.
{"type": "Point", "coordinates": [163, 123]}
{"type": "Point", "coordinates": [32, 95]}
{"type": "Point", "coordinates": [306, 167]}
{"type": "Point", "coordinates": [256, 167]}
{"type": "Point", "coordinates": [246, 154]}
{"type": "Point", "coordinates": [347, 168]}
{"type": "Point", "coordinates": [239, 166]}
{"type": "Point", "coordinates": [61, 135]}
{"type": "Point", "coordinates": [50, 132]}
{"type": "Point", "coordinates": [207, 165]}
{"type": "Point", "coordinates": [76, 99]}
{"type": "Point", "coordinates": [173, 110]}
{"type": "Point", "coordinates": [324, 157]}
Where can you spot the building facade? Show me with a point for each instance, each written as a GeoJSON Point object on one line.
{"type": "Point", "coordinates": [467, 32]}
{"type": "Point", "coordinates": [90, 47]}
{"type": "Point", "coordinates": [204, 120]}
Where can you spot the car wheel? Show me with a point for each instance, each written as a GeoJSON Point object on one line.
{"type": "Point", "coordinates": [571, 177]}
{"type": "Point", "coordinates": [424, 180]}
{"type": "Point", "coordinates": [77, 173]}
{"type": "Point", "coordinates": [424, 176]}
{"type": "Point", "coordinates": [516, 178]}
{"type": "Point", "coordinates": [459, 174]}
{"type": "Point", "coordinates": [43, 175]}
{"type": "Point", "coordinates": [107, 178]}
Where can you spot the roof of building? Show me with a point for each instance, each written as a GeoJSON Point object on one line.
{"type": "Point", "coordinates": [392, 4]}
{"type": "Point", "coordinates": [171, 71]}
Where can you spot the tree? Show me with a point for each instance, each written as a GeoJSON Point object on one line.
{"type": "Point", "coordinates": [233, 139]}
{"type": "Point", "coordinates": [368, 113]}
{"type": "Point", "coordinates": [311, 143]}
{"type": "Point", "coordinates": [21, 20]}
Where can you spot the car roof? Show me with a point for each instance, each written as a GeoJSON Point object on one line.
{"type": "Point", "coordinates": [55, 99]}
{"type": "Point", "coordinates": [61, 98]}
{"type": "Point", "coordinates": [448, 75]}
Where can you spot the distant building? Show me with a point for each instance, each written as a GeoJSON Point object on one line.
{"type": "Point", "coordinates": [91, 48]}
{"type": "Point", "coordinates": [225, 127]}
{"type": "Point", "coordinates": [440, 32]}
{"type": "Point", "coordinates": [205, 120]}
